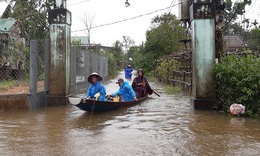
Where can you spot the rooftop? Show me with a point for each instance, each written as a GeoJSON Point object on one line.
{"type": "Point", "coordinates": [6, 24]}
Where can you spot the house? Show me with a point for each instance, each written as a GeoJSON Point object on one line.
{"type": "Point", "coordinates": [9, 39]}
{"type": "Point", "coordinates": [83, 42]}
{"type": "Point", "coordinates": [233, 43]}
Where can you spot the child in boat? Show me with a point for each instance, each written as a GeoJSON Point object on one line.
{"type": "Point", "coordinates": [125, 90]}
{"type": "Point", "coordinates": [96, 87]}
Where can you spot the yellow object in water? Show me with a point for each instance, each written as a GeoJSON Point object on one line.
{"type": "Point", "coordinates": [116, 99]}
{"type": "Point", "coordinates": [97, 95]}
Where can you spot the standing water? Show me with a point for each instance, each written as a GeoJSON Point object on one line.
{"type": "Point", "coordinates": [166, 125]}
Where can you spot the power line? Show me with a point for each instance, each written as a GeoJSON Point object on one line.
{"type": "Point", "coordinates": [79, 2]}
{"type": "Point", "coordinates": [250, 7]}
{"type": "Point", "coordinates": [172, 5]}
{"type": "Point", "coordinates": [126, 19]}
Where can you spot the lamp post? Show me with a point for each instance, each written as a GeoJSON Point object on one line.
{"type": "Point", "coordinates": [127, 4]}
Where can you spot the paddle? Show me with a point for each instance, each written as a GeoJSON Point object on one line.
{"type": "Point", "coordinates": [156, 93]}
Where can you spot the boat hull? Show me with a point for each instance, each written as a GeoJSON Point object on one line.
{"type": "Point", "coordinates": [99, 106]}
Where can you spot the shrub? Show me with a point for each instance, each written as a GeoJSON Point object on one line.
{"type": "Point", "coordinates": [238, 81]}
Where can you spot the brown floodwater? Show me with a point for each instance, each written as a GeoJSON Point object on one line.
{"type": "Point", "coordinates": [166, 125]}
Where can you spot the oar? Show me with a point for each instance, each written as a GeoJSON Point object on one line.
{"type": "Point", "coordinates": [156, 93]}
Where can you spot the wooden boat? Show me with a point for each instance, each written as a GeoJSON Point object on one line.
{"type": "Point", "coordinates": [98, 106]}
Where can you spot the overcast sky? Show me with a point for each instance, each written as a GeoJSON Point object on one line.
{"type": "Point", "coordinates": [109, 11]}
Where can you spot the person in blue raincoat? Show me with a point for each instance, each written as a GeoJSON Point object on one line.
{"type": "Point", "coordinates": [128, 72]}
{"type": "Point", "coordinates": [96, 88]}
{"type": "Point", "coordinates": [125, 90]}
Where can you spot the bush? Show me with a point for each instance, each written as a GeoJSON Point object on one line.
{"type": "Point", "coordinates": [165, 68]}
{"type": "Point", "coordinates": [238, 81]}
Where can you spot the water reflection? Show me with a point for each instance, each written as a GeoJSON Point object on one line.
{"type": "Point", "coordinates": [166, 125]}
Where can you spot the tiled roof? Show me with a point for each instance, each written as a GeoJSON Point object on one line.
{"type": "Point", "coordinates": [6, 24]}
{"type": "Point", "coordinates": [233, 43]}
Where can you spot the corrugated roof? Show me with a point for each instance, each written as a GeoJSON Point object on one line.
{"type": "Point", "coordinates": [6, 23]}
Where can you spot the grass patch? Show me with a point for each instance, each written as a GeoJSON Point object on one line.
{"type": "Point", "coordinates": [4, 85]}
{"type": "Point", "coordinates": [151, 79]}
{"type": "Point", "coordinates": [172, 90]}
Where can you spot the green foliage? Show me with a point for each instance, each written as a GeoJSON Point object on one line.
{"type": "Point", "coordinates": [254, 39]}
{"type": "Point", "coordinates": [115, 56]}
{"type": "Point", "coordinates": [172, 90]}
{"type": "Point", "coordinates": [235, 9]}
{"type": "Point", "coordinates": [162, 39]}
{"type": "Point", "coordinates": [7, 84]}
{"type": "Point", "coordinates": [76, 43]}
{"type": "Point", "coordinates": [32, 17]}
{"type": "Point", "coordinates": [164, 67]}
{"type": "Point", "coordinates": [238, 81]}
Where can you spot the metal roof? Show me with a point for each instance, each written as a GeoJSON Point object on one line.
{"type": "Point", "coordinates": [6, 24]}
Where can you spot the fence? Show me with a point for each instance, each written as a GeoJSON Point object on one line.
{"type": "Point", "coordinates": [183, 76]}
{"type": "Point", "coordinates": [22, 77]}
{"type": "Point", "coordinates": [24, 85]}
{"type": "Point", "coordinates": [83, 63]}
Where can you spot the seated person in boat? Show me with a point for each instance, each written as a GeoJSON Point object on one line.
{"type": "Point", "coordinates": [128, 72]}
{"type": "Point", "coordinates": [96, 89]}
{"type": "Point", "coordinates": [141, 85]}
{"type": "Point", "coordinates": [125, 90]}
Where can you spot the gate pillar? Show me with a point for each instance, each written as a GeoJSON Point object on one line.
{"type": "Point", "coordinates": [59, 61]}
{"type": "Point", "coordinates": [203, 54]}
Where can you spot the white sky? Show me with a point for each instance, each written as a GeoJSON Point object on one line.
{"type": "Point", "coordinates": [109, 11]}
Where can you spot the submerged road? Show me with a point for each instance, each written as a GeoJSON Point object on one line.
{"type": "Point", "coordinates": [166, 125]}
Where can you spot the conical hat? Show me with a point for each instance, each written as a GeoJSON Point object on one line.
{"type": "Point", "coordinates": [99, 78]}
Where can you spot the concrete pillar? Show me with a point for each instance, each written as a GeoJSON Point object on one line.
{"type": "Point", "coordinates": [203, 55]}
{"type": "Point", "coordinates": [60, 44]}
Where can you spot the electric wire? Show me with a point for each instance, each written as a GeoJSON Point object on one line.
{"type": "Point", "coordinates": [112, 23]}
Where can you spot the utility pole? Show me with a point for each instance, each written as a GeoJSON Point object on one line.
{"type": "Point", "coordinates": [220, 6]}
{"type": "Point", "coordinates": [59, 61]}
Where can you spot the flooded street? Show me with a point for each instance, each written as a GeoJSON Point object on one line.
{"type": "Point", "coordinates": [166, 125]}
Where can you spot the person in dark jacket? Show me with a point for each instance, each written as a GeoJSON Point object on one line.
{"type": "Point", "coordinates": [128, 72]}
{"type": "Point", "coordinates": [125, 90]}
{"type": "Point", "coordinates": [141, 85]}
{"type": "Point", "coordinates": [96, 88]}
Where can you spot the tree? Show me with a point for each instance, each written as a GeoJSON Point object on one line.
{"type": "Point", "coordinates": [233, 10]}
{"type": "Point", "coordinates": [254, 40]}
{"type": "Point", "coordinates": [162, 39]}
{"type": "Point", "coordinates": [127, 43]}
{"type": "Point", "coordinates": [32, 17]}
{"type": "Point", "coordinates": [88, 21]}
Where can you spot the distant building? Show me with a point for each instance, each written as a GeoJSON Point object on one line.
{"type": "Point", "coordinates": [9, 33]}
{"type": "Point", "coordinates": [84, 44]}
{"type": "Point", "coordinates": [83, 40]}
{"type": "Point", "coordinates": [233, 43]}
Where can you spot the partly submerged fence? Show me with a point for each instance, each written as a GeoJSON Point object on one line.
{"type": "Point", "coordinates": [83, 63]}
{"type": "Point", "coordinates": [26, 86]}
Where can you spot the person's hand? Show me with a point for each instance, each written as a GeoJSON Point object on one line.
{"type": "Point", "coordinates": [136, 99]}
